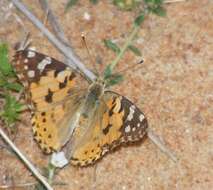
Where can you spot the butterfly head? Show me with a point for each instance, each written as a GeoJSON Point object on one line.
{"type": "Point", "coordinates": [96, 89]}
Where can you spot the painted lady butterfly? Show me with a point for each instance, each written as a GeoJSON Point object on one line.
{"type": "Point", "coordinates": [65, 108]}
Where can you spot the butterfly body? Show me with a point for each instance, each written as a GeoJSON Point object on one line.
{"type": "Point", "coordinates": [94, 95]}
{"type": "Point", "coordinates": [84, 120]}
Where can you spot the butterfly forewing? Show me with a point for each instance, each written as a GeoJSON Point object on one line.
{"type": "Point", "coordinates": [53, 93]}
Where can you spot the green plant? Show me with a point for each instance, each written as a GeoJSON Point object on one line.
{"type": "Point", "coordinates": [143, 8]}
{"type": "Point", "coordinates": [11, 108]}
{"type": "Point", "coordinates": [71, 3]}
{"type": "Point", "coordinates": [149, 6]}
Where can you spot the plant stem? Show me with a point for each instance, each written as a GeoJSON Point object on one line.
{"type": "Point", "coordinates": [125, 46]}
{"type": "Point", "coordinates": [51, 172]}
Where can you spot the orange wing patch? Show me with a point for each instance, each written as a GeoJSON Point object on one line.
{"type": "Point", "coordinates": [45, 130]}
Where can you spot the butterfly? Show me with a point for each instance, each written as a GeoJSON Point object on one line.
{"type": "Point", "coordinates": [67, 111]}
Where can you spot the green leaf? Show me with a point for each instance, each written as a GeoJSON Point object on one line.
{"type": "Point", "coordinates": [155, 7]}
{"type": "Point", "coordinates": [111, 79]}
{"type": "Point", "coordinates": [14, 86]}
{"type": "Point", "coordinates": [11, 110]}
{"type": "Point", "coordinates": [139, 20]}
{"type": "Point", "coordinates": [135, 50]}
{"type": "Point", "coordinates": [114, 79]}
{"type": "Point", "coordinates": [39, 186]}
{"type": "Point", "coordinates": [154, 2]}
{"type": "Point", "coordinates": [94, 1]}
{"type": "Point", "coordinates": [107, 72]}
{"type": "Point", "coordinates": [119, 3]}
{"type": "Point", "coordinates": [10, 86]}
{"type": "Point", "coordinates": [70, 4]}
{"type": "Point", "coordinates": [160, 11]}
{"type": "Point", "coordinates": [111, 45]}
{"type": "Point", "coordinates": [5, 67]}
{"type": "Point", "coordinates": [126, 4]}
{"type": "Point", "coordinates": [3, 82]}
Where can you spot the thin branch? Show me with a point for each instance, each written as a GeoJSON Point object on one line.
{"type": "Point", "coordinates": [174, 1]}
{"type": "Point", "coordinates": [57, 29]}
{"type": "Point", "coordinates": [161, 145]}
{"type": "Point", "coordinates": [61, 47]}
{"type": "Point", "coordinates": [125, 47]}
{"type": "Point", "coordinates": [41, 178]}
{"type": "Point", "coordinates": [54, 23]}
{"type": "Point", "coordinates": [17, 185]}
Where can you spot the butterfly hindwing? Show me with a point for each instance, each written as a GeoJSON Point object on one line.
{"type": "Point", "coordinates": [119, 121]}
{"type": "Point", "coordinates": [49, 84]}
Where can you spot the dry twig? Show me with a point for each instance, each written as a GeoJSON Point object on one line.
{"type": "Point", "coordinates": [17, 185]}
{"type": "Point", "coordinates": [76, 63]}
{"type": "Point", "coordinates": [174, 1]}
{"type": "Point", "coordinates": [56, 26]}
{"type": "Point", "coordinates": [25, 160]}
{"type": "Point", "coordinates": [161, 145]}
{"type": "Point", "coordinates": [54, 23]}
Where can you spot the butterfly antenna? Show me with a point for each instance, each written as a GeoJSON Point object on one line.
{"type": "Point", "coordinates": [90, 56]}
{"type": "Point", "coordinates": [131, 67]}
{"type": "Point", "coordinates": [24, 44]}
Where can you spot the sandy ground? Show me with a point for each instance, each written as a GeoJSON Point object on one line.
{"type": "Point", "coordinates": [173, 88]}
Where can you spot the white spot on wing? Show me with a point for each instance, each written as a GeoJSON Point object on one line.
{"type": "Point", "coordinates": [26, 61]}
{"type": "Point", "coordinates": [63, 74]}
{"type": "Point", "coordinates": [138, 125]}
{"type": "Point", "coordinates": [127, 129]}
{"type": "Point", "coordinates": [31, 54]}
{"type": "Point", "coordinates": [132, 107]}
{"type": "Point", "coordinates": [141, 117]}
{"type": "Point", "coordinates": [46, 61]}
{"type": "Point", "coordinates": [21, 76]}
{"type": "Point", "coordinates": [31, 74]}
{"type": "Point", "coordinates": [25, 67]}
{"type": "Point", "coordinates": [131, 113]}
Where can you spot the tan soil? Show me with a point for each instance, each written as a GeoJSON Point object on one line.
{"type": "Point", "coordinates": [173, 88]}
